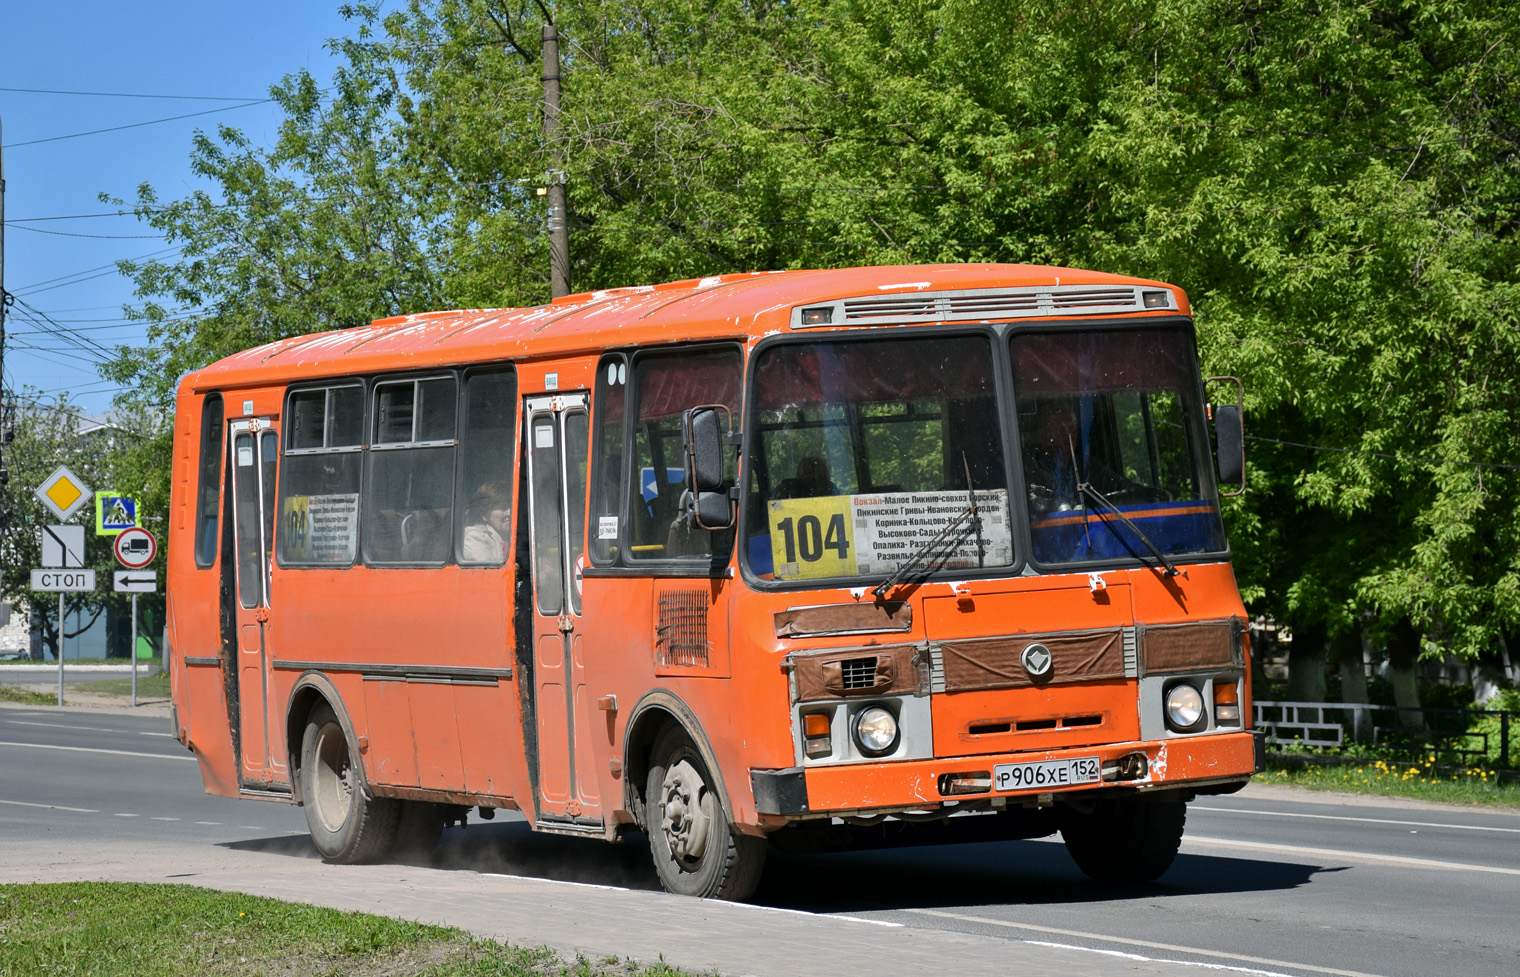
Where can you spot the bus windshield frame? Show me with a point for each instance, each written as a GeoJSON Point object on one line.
{"type": "Point", "coordinates": [822, 508]}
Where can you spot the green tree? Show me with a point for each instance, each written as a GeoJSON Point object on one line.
{"type": "Point", "coordinates": [1333, 184]}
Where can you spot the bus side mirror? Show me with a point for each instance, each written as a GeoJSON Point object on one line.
{"type": "Point", "coordinates": [1230, 439]}
{"type": "Point", "coordinates": [704, 432]}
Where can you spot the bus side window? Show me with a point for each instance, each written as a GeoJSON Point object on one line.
{"type": "Point", "coordinates": [607, 465]}
{"type": "Point", "coordinates": [319, 483]}
{"type": "Point", "coordinates": [409, 494]}
{"type": "Point", "coordinates": [209, 492]}
{"type": "Point", "coordinates": [487, 439]}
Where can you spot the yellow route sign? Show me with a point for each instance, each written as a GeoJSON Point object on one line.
{"type": "Point", "coordinates": [63, 492]}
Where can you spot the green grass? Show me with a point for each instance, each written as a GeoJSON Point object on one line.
{"type": "Point", "coordinates": [108, 929]}
{"type": "Point", "coordinates": [13, 693]}
{"type": "Point", "coordinates": [148, 687]}
{"type": "Point", "coordinates": [1422, 779]}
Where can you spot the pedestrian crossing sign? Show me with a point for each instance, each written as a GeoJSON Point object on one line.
{"type": "Point", "coordinates": [113, 513]}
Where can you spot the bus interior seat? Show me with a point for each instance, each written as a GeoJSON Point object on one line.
{"type": "Point", "coordinates": [425, 536]}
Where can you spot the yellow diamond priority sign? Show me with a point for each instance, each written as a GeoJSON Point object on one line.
{"type": "Point", "coordinates": [63, 492]}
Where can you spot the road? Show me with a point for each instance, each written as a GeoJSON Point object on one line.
{"type": "Point", "coordinates": [1269, 880]}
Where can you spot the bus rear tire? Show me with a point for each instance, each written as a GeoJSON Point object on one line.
{"type": "Point", "coordinates": [1126, 841]}
{"type": "Point", "coordinates": [346, 824]}
{"type": "Point", "coordinates": [695, 848]}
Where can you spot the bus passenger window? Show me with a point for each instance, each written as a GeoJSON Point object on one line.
{"type": "Point", "coordinates": [666, 384]}
{"type": "Point", "coordinates": [209, 493]}
{"type": "Point", "coordinates": [409, 495]}
{"type": "Point", "coordinates": [487, 439]}
{"type": "Point", "coordinates": [319, 487]}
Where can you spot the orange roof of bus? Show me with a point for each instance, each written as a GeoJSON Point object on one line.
{"type": "Point", "coordinates": [699, 308]}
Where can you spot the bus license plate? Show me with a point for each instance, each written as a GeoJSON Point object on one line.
{"type": "Point", "coordinates": [1047, 773]}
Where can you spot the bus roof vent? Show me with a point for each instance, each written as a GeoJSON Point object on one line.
{"type": "Point", "coordinates": [980, 305]}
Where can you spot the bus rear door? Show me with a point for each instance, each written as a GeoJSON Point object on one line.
{"type": "Point", "coordinates": [557, 442]}
{"type": "Point", "coordinates": [253, 447]}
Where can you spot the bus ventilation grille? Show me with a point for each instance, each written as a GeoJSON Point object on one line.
{"type": "Point", "coordinates": [996, 303]}
{"type": "Point", "coordinates": [681, 631]}
{"type": "Point", "coordinates": [858, 673]}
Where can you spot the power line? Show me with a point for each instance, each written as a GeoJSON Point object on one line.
{"type": "Point", "coordinates": [98, 268]}
{"type": "Point", "coordinates": [193, 98]}
{"type": "Point", "coordinates": [42, 230]}
{"type": "Point", "coordinates": [1392, 456]}
{"type": "Point", "coordinates": [136, 125]}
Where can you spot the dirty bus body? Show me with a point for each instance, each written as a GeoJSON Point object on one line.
{"type": "Point", "coordinates": [816, 559]}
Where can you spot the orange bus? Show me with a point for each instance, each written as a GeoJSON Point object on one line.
{"type": "Point", "coordinates": [807, 559]}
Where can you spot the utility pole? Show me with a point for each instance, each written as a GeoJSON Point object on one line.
{"type": "Point", "coordinates": [5, 298]}
{"type": "Point", "coordinates": [559, 225]}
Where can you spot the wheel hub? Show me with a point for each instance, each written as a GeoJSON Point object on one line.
{"type": "Point", "coordinates": [686, 811]}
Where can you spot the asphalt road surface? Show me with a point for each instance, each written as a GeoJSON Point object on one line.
{"type": "Point", "coordinates": [1269, 880]}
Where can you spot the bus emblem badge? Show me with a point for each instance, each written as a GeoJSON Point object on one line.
{"type": "Point", "coordinates": [1037, 660]}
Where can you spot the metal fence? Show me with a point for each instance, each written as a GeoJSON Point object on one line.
{"type": "Point", "coordinates": [1401, 730]}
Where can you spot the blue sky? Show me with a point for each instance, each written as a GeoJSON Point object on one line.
{"type": "Point", "coordinates": [62, 268]}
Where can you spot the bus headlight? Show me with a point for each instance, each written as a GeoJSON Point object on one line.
{"type": "Point", "coordinates": [1184, 707]}
{"type": "Point", "coordinates": [875, 731]}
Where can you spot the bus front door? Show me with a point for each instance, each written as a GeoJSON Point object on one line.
{"type": "Point", "coordinates": [253, 454]}
{"type": "Point", "coordinates": [556, 446]}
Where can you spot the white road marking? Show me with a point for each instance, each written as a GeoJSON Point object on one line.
{"type": "Point", "coordinates": [90, 729]}
{"type": "Point", "coordinates": [1145, 959]}
{"type": "Point", "coordinates": [126, 815]}
{"type": "Point", "coordinates": [88, 749]}
{"type": "Point", "coordinates": [1342, 817]}
{"type": "Point", "coordinates": [1148, 944]}
{"type": "Point", "coordinates": [1350, 856]}
{"type": "Point", "coordinates": [53, 807]}
{"type": "Point", "coordinates": [163, 819]}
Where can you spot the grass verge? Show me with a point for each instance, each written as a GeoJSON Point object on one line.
{"type": "Point", "coordinates": [14, 693]}
{"type": "Point", "coordinates": [1422, 779]}
{"type": "Point", "coordinates": [148, 686]}
{"type": "Point", "coordinates": [105, 929]}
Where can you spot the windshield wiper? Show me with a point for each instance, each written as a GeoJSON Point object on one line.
{"type": "Point", "coordinates": [884, 588]}
{"type": "Point", "coordinates": [1102, 500]}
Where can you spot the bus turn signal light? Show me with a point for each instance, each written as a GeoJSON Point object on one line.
{"type": "Point", "coordinates": [1226, 702]}
{"type": "Point", "coordinates": [817, 739]}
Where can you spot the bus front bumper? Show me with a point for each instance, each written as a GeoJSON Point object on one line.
{"type": "Point", "coordinates": [864, 788]}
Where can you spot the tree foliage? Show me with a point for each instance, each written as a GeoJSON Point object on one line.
{"type": "Point", "coordinates": [1335, 185]}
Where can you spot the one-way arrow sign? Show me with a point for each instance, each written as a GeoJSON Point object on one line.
{"type": "Point", "coordinates": [136, 581]}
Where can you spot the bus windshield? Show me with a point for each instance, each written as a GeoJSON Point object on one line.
{"type": "Point", "coordinates": [868, 450]}
{"type": "Point", "coordinates": [1110, 422]}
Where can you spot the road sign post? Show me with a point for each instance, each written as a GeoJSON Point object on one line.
{"type": "Point", "coordinates": [135, 548]}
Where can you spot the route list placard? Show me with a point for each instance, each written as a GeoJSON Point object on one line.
{"type": "Point", "coordinates": [874, 534]}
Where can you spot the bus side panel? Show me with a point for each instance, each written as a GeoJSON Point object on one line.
{"type": "Point", "coordinates": [419, 618]}
{"type": "Point", "coordinates": [619, 657]}
{"type": "Point", "coordinates": [198, 691]}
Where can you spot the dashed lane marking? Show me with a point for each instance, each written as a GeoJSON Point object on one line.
{"type": "Point", "coordinates": [1350, 856]}
{"type": "Point", "coordinates": [91, 749]}
{"type": "Point", "coordinates": [1343, 817]}
{"type": "Point", "coordinates": [52, 807]}
{"type": "Point", "coordinates": [1148, 944]}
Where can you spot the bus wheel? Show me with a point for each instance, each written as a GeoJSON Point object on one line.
{"type": "Point", "coordinates": [696, 851]}
{"type": "Point", "coordinates": [346, 824]}
{"type": "Point", "coordinates": [1126, 841]}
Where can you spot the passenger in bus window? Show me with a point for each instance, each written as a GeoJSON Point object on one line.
{"type": "Point", "coordinates": [810, 482]}
{"type": "Point", "coordinates": [485, 536]}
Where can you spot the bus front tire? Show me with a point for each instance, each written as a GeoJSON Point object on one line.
{"type": "Point", "coordinates": [1126, 841]}
{"type": "Point", "coordinates": [696, 850]}
{"type": "Point", "coordinates": [347, 825]}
